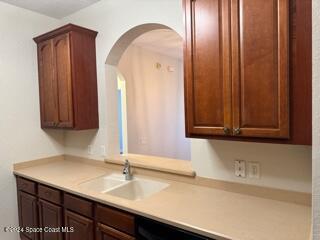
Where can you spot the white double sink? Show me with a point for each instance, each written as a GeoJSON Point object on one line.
{"type": "Point", "coordinates": [116, 185]}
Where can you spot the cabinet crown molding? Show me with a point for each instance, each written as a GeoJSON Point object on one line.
{"type": "Point", "coordinates": [64, 29]}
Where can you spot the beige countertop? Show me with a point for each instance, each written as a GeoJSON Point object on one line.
{"type": "Point", "coordinates": [207, 211]}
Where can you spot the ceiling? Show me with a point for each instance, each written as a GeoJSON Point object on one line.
{"type": "Point", "coordinates": [52, 8]}
{"type": "Point", "coordinates": [164, 41]}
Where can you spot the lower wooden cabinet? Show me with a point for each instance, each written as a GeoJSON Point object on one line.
{"type": "Point", "coordinates": [116, 219]}
{"type": "Point", "coordinates": [81, 228]}
{"type": "Point", "coordinates": [63, 216]}
{"type": "Point", "coordinates": [50, 217]}
{"type": "Point", "coordinates": [107, 233]}
{"type": "Point", "coordinates": [28, 214]}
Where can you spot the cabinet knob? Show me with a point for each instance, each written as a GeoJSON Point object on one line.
{"type": "Point", "coordinates": [236, 131]}
{"type": "Point", "coordinates": [226, 130]}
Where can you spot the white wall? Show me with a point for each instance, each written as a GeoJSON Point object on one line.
{"type": "Point", "coordinates": [282, 166]}
{"type": "Point", "coordinates": [155, 105]}
{"type": "Point", "coordinates": [316, 117]}
{"type": "Point", "coordinates": [21, 138]}
{"type": "Point", "coordinates": [112, 19]}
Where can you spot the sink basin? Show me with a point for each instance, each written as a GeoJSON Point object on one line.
{"type": "Point", "coordinates": [138, 189]}
{"type": "Point", "coordinates": [104, 183]}
{"type": "Point", "coordinates": [116, 185]}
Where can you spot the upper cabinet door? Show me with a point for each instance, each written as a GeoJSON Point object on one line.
{"type": "Point", "coordinates": [207, 67]}
{"type": "Point", "coordinates": [62, 63]}
{"type": "Point", "coordinates": [47, 85]}
{"type": "Point", "coordinates": [68, 78]}
{"type": "Point", "coordinates": [260, 68]}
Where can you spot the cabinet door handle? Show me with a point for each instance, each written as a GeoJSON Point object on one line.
{"type": "Point", "coordinates": [226, 131]}
{"type": "Point", "coordinates": [236, 131]}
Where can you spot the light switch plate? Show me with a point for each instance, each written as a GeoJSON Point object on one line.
{"type": "Point", "coordinates": [240, 168]}
{"type": "Point", "coordinates": [254, 170]}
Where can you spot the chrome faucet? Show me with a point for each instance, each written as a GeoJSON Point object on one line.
{"type": "Point", "coordinates": [127, 170]}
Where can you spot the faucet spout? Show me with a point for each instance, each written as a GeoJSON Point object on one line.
{"type": "Point", "coordinates": [127, 170]}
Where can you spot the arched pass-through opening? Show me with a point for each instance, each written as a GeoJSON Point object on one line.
{"type": "Point", "coordinates": [114, 138]}
{"type": "Point", "coordinates": [127, 38]}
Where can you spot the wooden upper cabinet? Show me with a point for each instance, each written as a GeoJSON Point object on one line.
{"type": "Point", "coordinates": [207, 67]}
{"type": "Point", "coordinates": [260, 67]}
{"type": "Point", "coordinates": [62, 65]}
{"type": "Point", "coordinates": [68, 78]}
{"type": "Point", "coordinates": [242, 74]}
{"type": "Point", "coordinates": [47, 84]}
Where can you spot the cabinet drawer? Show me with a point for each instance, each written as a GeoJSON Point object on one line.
{"type": "Point", "coordinates": [105, 232]}
{"type": "Point", "coordinates": [116, 219]}
{"type": "Point", "coordinates": [49, 194]}
{"type": "Point", "coordinates": [78, 205]}
{"type": "Point", "coordinates": [26, 185]}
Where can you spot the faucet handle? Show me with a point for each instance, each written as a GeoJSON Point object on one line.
{"type": "Point", "coordinates": [127, 170]}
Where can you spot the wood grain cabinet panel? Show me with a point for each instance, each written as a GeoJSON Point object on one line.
{"type": "Point", "coordinates": [61, 56]}
{"type": "Point", "coordinates": [50, 217]}
{"type": "Point", "coordinates": [104, 232]}
{"type": "Point", "coordinates": [243, 76]}
{"type": "Point", "coordinates": [47, 84]}
{"type": "Point", "coordinates": [82, 226]}
{"type": "Point", "coordinates": [68, 78]}
{"type": "Point", "coordinates": [122, 221]}
{"type": "Point", "coordinates": [207, 64]}
{"type": "Point", "coordinates": [78, 205]}
{"type": "Point", "coordinates": [28, 214]}
{"type": "Point", "coordinates": [260, 68]}
{"type": "Point", "coordinates": [26, 186]}
{"type": "Point", "coordinates": [49, 194]}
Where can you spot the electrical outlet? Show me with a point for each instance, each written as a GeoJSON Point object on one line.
{"type": "Point", "coordinates": [254, 170]}
{"type": "Point", "coordinates": [90, 149]}
{"type": "Point", "coordinates": [103, 150]}
{"type": "Point", "coordinates": [240, 168]}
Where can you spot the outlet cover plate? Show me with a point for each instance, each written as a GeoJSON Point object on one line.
{"type": "Point", "coordinates": [240, 168]}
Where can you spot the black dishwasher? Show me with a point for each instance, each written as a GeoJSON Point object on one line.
{"type": "Point", "coordinates": [151, 230]}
